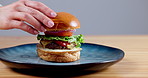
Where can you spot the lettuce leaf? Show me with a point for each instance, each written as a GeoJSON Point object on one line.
{"type": "Point", "coordinates": [77, 39]}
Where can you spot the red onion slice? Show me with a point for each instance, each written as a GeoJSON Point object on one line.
{"type": "Point", "coordinates": [61, 31]}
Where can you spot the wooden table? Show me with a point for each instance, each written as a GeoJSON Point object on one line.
{"type": "Point", "coordinates": [134, 64]}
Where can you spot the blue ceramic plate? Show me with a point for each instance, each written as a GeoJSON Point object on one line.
{"type": "Point", "coordinates": [93, 57]}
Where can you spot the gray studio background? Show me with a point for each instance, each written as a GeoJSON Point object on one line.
{"type": "Point", "coordinates": [99, 17]}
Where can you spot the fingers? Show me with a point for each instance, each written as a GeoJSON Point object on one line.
{"type": "Point", "coordinates": [28, 18]}
{"type": "Point", "coordinates": [21, 25]}
{"type": "Point", "coordinates": [33, 12]}
{"type": "Point", "coordinates": [37, 14]}
{"type": "Point", "coordinates": [41, 7]}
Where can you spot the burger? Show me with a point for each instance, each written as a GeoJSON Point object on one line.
{"type": "Point", "coordinates": [58, 44]}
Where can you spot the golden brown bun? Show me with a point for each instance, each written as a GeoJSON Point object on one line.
{"type": "Point", "coordinates": [56, 56]}
{"type": "Point", "coordinates": [64, 21]}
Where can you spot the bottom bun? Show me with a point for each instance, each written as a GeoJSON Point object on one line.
{"type": "Point", "coordinates": [58, 55]}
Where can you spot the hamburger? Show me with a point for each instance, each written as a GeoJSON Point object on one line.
{"type": "Point", "coordinates": [58, 44]}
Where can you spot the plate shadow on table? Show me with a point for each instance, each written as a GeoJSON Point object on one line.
{"type": "Point", "coordinates": [48, 73]}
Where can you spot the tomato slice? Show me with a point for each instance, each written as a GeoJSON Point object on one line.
{"type": "Point", "coordinates": [62, 43]}
{"type": "Point", "coordinates": [59, 33]}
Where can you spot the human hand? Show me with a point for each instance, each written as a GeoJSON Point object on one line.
{"type": "Point", "coordinates": [35, 13]}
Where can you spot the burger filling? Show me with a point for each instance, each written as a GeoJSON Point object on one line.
{"type": "Point", "coordinates": [60, 42]}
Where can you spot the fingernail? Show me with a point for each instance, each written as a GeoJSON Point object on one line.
{"type": "Point", "coordinates": [50, 24]}
{"type": "Point", "coordinates": [35, 32]}
{"type": "Point", "coordinates": [42, 29]}
{"type": "Point", "coordinates": [53, 14]}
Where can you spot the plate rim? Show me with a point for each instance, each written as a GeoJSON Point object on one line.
{"type": "Point", "coordinates": [61, 65]}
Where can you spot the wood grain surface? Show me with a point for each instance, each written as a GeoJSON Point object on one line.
{"type": "Point", "coordinates": [134, 64]}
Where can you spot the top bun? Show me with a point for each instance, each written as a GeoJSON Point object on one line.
{"type": "Point", "coordinates": [64, 21]}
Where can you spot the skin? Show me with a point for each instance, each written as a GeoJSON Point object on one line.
{"type": "Point", "coordinates": [35, 13]}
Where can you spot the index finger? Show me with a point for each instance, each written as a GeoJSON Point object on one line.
{"type": "Point", "coordinates": [41, 7]}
